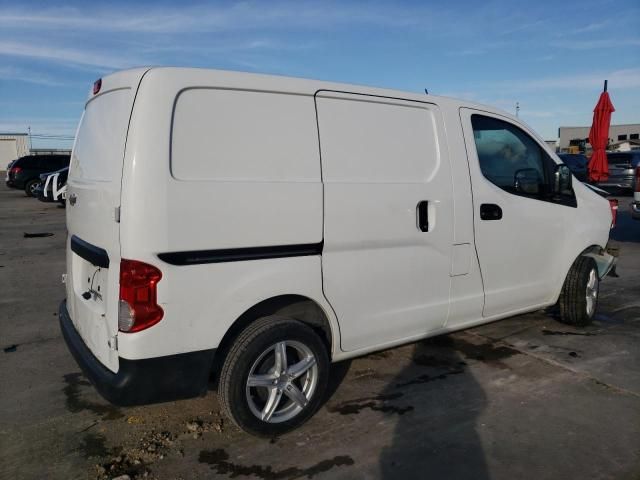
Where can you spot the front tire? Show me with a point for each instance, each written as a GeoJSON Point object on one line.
{"type": "Point", "coordinates": [579, 297]}
{"type": "Point", "coordinates": [274, 377]}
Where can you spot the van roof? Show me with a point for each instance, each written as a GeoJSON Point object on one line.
{"type": "Point", "coordinates": [302, 86]}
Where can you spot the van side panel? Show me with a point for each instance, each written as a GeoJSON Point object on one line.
{"type": "Point", "coordinates": [216, 168]}
{"type": "Point", "coordinates": [386, 279]}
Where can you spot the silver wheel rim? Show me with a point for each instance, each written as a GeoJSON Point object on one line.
{"type": "Point", "coordinates": [282, 381]}
{"type": "Point", "coordinates": [592, 292]}
{"type": "Point", "coordinates": [33, 186]}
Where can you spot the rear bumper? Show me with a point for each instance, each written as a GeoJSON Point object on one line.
{"type": "Point", "coordinates": [140, 382]}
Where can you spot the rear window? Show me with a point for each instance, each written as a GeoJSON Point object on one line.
{"type": "Point", "coordinates": [99, 147]}
{"type": "Point", "coordinates": [27, 162]}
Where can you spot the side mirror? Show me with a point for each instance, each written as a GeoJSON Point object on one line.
{"type": "Point", "coordinates": [527, 181]}
{"type": "Point", "coordinates": [562, 180]}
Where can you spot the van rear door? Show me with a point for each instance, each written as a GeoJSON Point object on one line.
{"type": "Point", "coordinates": [93, 202]}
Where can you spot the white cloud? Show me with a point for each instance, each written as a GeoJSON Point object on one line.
{"type": "Point", "coordinates": [237, 16]}
{"type": "Point", "coordinates": [596, 44]}
{"type": "Point", "coordinates": [67, 56]}
{"type": "Point", "coordinates": [38, 78]}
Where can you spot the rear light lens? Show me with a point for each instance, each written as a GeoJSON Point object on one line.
{"type": "Point", "coordinates": [138, 308]}
{"type": "Point", "coordinates": [97, 85]}
{"type": "Point", "coordinates": [637, 189]}
{"type": "Point", "coordinates": [16, 170]}
{"type": "Point", "coordinates": [613, 203]}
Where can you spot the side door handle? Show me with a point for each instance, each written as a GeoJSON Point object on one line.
{"type": "Point", "coordinates": [490, 211]}
{"type": "Point", "coordinates": [422, 212]}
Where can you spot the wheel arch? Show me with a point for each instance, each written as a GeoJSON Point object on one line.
{"type": "Point", "coordinates": [297, 307]}
{"type": "Point", "coordinates": [593, 250]}
{"type": "Point", "coordinates": [604, 260]}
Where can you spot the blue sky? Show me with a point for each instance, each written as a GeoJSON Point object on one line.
{"type": "Point", "coordinates": [551, 57]}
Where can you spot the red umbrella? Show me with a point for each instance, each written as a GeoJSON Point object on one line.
{"type": "Point", "coordinates": [599, 137]}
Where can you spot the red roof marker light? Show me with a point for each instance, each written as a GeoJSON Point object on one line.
{"type": "Point", "coordinates": [97, 85]}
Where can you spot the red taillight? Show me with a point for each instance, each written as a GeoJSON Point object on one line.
{"type": "Point", "coordinates": [637, 189]}
{"type": "Point", "coordinates": [138, 296]}
{"type": "Point", "coordinates": [97, 85]}
{"type": "Point", "coordinates": [15, 170]}
{"type": "Point", "coordinates": [613, 203]}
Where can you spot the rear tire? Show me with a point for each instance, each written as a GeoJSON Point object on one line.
{"type": "Point", "coordinates": [579, 297]}
{"type": "Point", "coordinates": [30, 187]}
{"type": "Point", "coordinates": [274, 376]}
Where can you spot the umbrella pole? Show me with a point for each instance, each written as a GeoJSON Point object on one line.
{"type": "Point", "coordinates": [605, 85]}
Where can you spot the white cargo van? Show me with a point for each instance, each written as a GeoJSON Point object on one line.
{"type": "Point", "coordinates": [258, 228]}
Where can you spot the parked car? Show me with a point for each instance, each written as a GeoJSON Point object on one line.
{"type": "Point", "coordinates": [259, 228]}
{"type": "Point", "coordinates": [622, 170]}
{"type": "Point", "coordinates": [577, 163]}
{"type": "Point", "coordinates": [52, 186]}
{"type": "Point", "coordinates": [25, 172]}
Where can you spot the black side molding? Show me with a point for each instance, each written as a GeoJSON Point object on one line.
{"type": "Point", "coordinates": [240, 254]}
{"type": "Point", "coordinates": [95, 255]}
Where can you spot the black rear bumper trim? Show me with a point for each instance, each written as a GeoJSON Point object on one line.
{"type": "Point", "coordinates": [92, 254]}
{"type": "Point", "coordinates": [197, 257]}
{"type": "Point", "coordinates": [140, 382]}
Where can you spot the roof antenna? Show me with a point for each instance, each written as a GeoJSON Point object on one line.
{"type": "Point", "coordinates": [425, 91]}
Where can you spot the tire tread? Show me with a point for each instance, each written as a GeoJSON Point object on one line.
{"type": "Point", "coordinates": [572, 300]}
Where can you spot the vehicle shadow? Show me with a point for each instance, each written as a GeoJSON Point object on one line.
{"type": "Point", "coordinates": [438, 437]}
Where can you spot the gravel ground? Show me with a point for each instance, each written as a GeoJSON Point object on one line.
{"type": "Point", "coordinates": [525, 397]}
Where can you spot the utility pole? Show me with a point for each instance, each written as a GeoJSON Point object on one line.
{"type": "Point", "coordinates": [517, 109]}
{"type": "Point", "coordinates": [30, 146]}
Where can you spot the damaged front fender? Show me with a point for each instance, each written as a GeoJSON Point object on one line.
{"type": "Point", "coordinates": [605, 259]}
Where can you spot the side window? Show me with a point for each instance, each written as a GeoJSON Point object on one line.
{"type": "Point", "coordinates": [507, 155]}
{"type": "Point", "coordinates": [512, 160]}
{"type": "Point", "coordinates": [28, 163]}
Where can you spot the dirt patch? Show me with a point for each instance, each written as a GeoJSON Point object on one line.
{"type": "Point", "coordinates": [135, 461]}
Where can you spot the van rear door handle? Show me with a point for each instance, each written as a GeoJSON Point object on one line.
{"type": "Point", "coordinates": [490, 211]}
{"type": "Point", "coordinates": [422, 212]}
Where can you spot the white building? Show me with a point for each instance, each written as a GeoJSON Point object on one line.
{"type": "Point", "coordinates": [12, 146]}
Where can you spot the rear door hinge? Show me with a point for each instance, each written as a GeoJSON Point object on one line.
{"type": "Point", "coordinates": [117, 214]}
{"type": "Point", "coordinates": [113, 342]}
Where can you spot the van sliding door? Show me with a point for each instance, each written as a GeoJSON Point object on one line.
{"type": "Point", "coordinates": [387, 217]}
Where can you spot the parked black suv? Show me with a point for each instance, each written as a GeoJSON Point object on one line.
{"type": "Point", "coordinates": [25, 171]}
{"type": "Point", "coordinates": [577, 163]}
